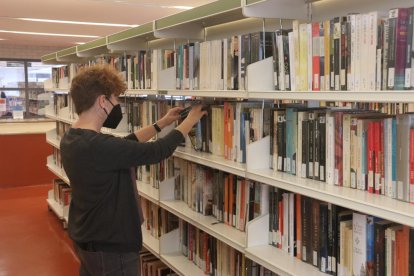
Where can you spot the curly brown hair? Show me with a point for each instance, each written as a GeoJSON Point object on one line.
{"type": "Point", "coordinates": [91, 82]}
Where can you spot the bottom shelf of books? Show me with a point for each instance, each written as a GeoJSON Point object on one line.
{"type": "Point", "coordinates": [58, 200]}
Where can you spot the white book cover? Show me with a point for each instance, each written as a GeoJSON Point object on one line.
{"type": "Point", "coordinates": [296, 54]}
{"type": "Point", "coordinates": [303, 57]}
{"type": "Point", "coordinates": [351, 72]}
{"type": "Point", "coordinates": [357, 63]}
{"type": "Point", "coordinates": [372, 50]}
{"type": "Point", "coordinates": [282, 73]}
{"type": "Point", "coordinates": [359, 256]}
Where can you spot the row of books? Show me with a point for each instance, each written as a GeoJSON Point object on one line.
{"type": "Point", "coordinates": [351, 148]}
{"type": "Point", "coordinates": [357, 52]}
{"type": "Point", "coordinates": [213, 256]}
{"type": "Point", "coordinates": [62, 192]}
{"type": "Point", "coordinates": [157, 220]}
{"type": "Point", "coordinates": [141, 113]}
{"type": "Point", "coordinates": [155, 174]}
{"type": "Point", "coordinates": [336, 240]}
{"type": "Point", "coordinates": [61, 129]}
{"type": "Point", "coordinates": [150, 265]}
{"type": "Point", "coordinates": [230, 199]}
{"type": "Point", "coordinates": [57, 158]}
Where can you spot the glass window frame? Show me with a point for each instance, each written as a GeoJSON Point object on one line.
{"type": "Point", "coordinates": [26, 89]}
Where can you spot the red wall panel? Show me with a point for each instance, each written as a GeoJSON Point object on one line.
{"type": "Point", "coordinates": [23, 160]}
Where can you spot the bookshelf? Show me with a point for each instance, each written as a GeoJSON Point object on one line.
{"type": "Point", "coordinates": [208, 224]}
{"type": "Point", "coordinates": [196, 25]}
{"type": "Point", "coordinates": [206, 159]}
{"type": "Point", "coordinates": [150, 243]}
{"type": "Point", "coordinates": [62, 212]}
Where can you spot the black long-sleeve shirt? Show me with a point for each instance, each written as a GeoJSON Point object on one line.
{"type": "Point", "coordinates": [103, 208]}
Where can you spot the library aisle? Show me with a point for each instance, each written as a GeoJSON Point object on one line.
{"type": "Point", "coordinates": [32, 239]}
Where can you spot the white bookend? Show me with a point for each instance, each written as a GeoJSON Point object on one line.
{"type": "Point", "coordinates": [257, 155]}
{"type": "Point", "coordinates": [257, 231]}
{"type": "Point", "coordinates": [170, 242]}
{"type": "Point", "coordinates": [167, 189]}
{"type": "Point", "coordinates": [260, 75]}
{"type": "Point", "coordinates": [166, 79]}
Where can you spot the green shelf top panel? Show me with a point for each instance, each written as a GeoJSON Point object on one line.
{"type": "Point", "coordinates": [67, 52]}
{"type": "Point", "coordinates": [141, 30]}
{"type": "Point", "coordinates": [49, 57]}
{"type": "Point", "coordinates": [199, 13]}
{"type": "Point", "coordinates": [249, 2]}
{"type": "Point", "coordinates": [100, 42]}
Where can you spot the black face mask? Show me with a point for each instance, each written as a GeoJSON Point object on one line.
{"type": "Point", "coordinates": [114, 117]}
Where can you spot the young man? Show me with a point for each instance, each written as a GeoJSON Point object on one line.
{"type": "Point", "coordinates": [105, 216]}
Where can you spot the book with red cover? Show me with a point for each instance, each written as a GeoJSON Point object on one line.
{"type": "Point", "coordinates": [315, 57]}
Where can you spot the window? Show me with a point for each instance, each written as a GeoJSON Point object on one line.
{"type": "Point", "coordinates": [21, 85]}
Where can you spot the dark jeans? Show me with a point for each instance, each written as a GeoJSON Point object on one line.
{"type": "Point", "coordinates": [100, 263]}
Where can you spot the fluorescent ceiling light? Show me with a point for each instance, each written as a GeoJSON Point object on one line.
{"type": "Point", "coordinates": [177, 7]}
{"type": "Point", "coordinates": [80, 43]}
{"type": "Point", "coordinates": [47, 34]}
{"type": "Point", "coordinates": [76, 22]}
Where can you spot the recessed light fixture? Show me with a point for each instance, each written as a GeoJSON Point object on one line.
{"type": "Point", "coordinates": [177, 7]}
{"type": "Point", "coordinates": [47, 34]}
{"type": "Point", "coordinates": [76, 22]}
{"type": "Point", "coordinates": [80, 43]}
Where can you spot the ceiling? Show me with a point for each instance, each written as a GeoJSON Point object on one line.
{"type": "Point", "coordinates": [131, 12]}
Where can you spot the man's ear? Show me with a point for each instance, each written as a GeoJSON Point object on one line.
{"type": "Point", "coordinates": [101, 101]}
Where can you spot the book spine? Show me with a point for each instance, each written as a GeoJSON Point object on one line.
{"type": "Point", "coordinates": [371, 157]}
{"type": "Point", "coordinates": [338, 177]}
{"type": "Point", "coordinates": [322, 146]}
{"type": "Point", "coordinates": [315, 232]}
{"type": "Point", "coordinates": [337, 52]}
{"type": "Point", "coordinates": [298, 218]}
{"type": "Point", "coordinates": [401, 48]}
{"type": "Point", "coordinates": [385, 51]}
{"type": "Point", "coordinates": [315, 57]}
{"type": "Point", "coordinates": [323, 238]}
{"type": "Point", "coordinates": [370, 247]}
{"type": "Point", "coordinates": [327, 54]}
{"type": "Point", "coordinates": [392, 43]}
{"type": "Point", "coordinates": [344, 55]}
{"type": "Point", "coordinates": [408, 58]}
{"type": "Point", "coordinates": [411, 170]}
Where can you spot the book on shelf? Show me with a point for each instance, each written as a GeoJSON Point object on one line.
{"type": "Point", "coordinates": [336, 240]}
{"type": "Point", "coordinates": [230, 199]}
{"type": "Point", "coordinates": [62, 192]}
